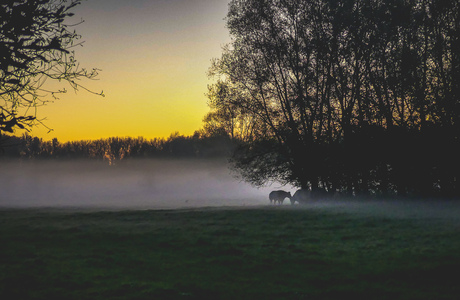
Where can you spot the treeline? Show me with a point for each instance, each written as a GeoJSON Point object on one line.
{"type": "Point", "coordinates": [112, 149]}
{"type": "Point", "coordinates": [354, 97]}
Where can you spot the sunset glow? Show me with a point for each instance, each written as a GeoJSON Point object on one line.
{"type": "Point", "coordinates": [154, 55]}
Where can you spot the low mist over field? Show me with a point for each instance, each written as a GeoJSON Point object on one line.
{"type": "Point", "coordinates": [165, 184]}
{"type": "Point", "coordinates": [127, 184]}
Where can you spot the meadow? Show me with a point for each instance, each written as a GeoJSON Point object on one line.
{"type": "Point", "coordinates": [258, 252]}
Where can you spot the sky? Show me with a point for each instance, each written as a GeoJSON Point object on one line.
{"type": "Point", "coordinates": [153, 56]}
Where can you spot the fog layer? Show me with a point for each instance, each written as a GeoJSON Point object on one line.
{"type": "Point", "coordinates": [127, 184]}
{"type": "Point", "coordinates": [164, 184]}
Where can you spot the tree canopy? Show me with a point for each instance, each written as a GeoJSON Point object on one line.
{"type": "Point", "coordinates": [356, 97]}
{"type": "Point", "coordinates": [36, 45]}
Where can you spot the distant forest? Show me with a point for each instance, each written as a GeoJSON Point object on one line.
{"type": "Point", "coordinates": [114, 149]}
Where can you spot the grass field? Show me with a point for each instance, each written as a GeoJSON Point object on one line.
{"type": "Point", "coordinates": [226, 253]}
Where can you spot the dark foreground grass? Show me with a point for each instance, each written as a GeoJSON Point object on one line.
{"type": "Point", "coordinates": [256, 253]}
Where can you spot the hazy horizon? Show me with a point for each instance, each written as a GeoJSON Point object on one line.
{"type": "Point", "coordinates": [148, 183]}
{"type": "Point", "coordinates": [134, 183]}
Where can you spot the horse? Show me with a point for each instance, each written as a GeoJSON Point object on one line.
{"type": "Point", "coordinates": [302, 196]}
{"type": "Point", "coordinates": [279, 196]}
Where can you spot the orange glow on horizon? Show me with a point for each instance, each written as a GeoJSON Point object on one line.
{"type": "Point", "coordinates": [153, 56]}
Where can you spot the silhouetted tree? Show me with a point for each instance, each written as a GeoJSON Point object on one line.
{"type": "Point", "coordinates": [360, 97]}
{"type": "Point", "coordinates": [35, 45]}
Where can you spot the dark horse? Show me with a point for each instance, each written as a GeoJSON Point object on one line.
{"type": "Point", "coordinates": [302, 196]}
{"type": "Point", "coordinates": [279, 196]}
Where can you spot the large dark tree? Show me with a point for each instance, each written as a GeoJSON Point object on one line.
{"type": "Point", "coordinates": [36, 45]}
{"type": "Point", "coordinates": [352, 96]}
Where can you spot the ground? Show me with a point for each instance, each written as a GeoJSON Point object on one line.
{"type": "Point", "coordinates": [259, 252]}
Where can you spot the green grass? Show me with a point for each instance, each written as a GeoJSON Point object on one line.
{"type": "Point", "coordinates": [252, 253]}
